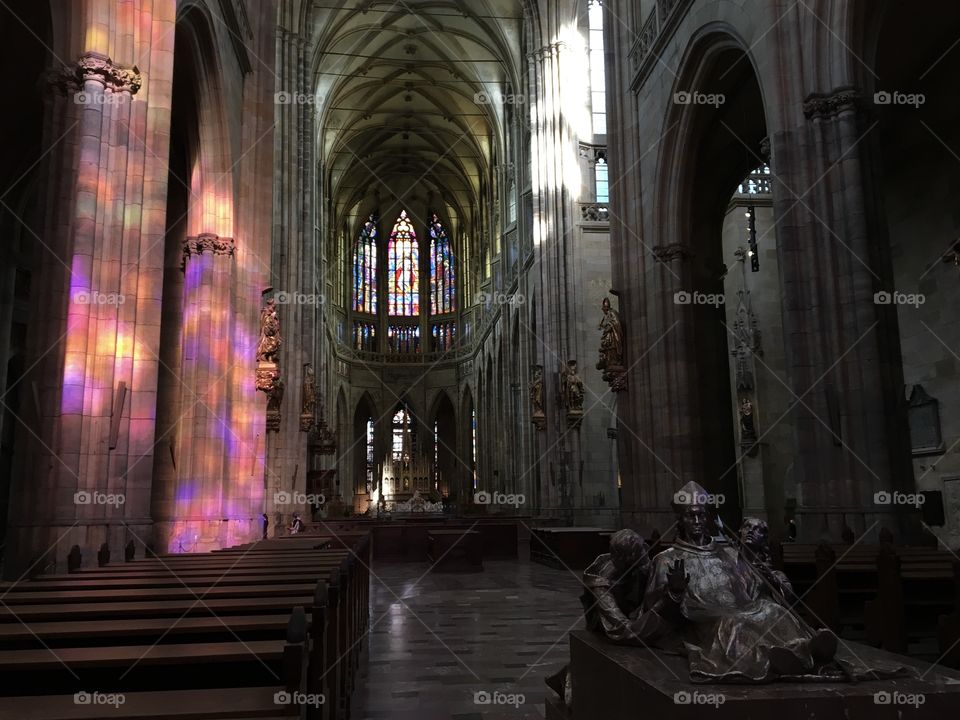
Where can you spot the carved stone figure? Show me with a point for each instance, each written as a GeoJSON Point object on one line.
{"type": "Point", "coordinates": [572, 387]}
{"type": "Point", "coordinates": [612, 348]}
{"type": "Point", "coordinates": [270, 338]}
{"type": "Point", "coordinates": [611, 338]}
{"type": "Point", "coordinates": [309, 400]}
{"type": "Point", "coordinates": [748, 429]}
{"type": "Point", "coordinates": [571, 393]}
{"type": "Point", "coordinates": [747, 339]}
{"type": "Point", "coordinates": [536, 396]}
{"type": "Point", "coordinates": [732, 626]}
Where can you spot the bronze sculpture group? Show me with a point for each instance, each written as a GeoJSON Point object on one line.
{"type": "Point", "coordinates": [717, 601]}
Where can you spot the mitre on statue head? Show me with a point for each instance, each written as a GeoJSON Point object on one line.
{"type": "Point", "coordinates": [690, 494]}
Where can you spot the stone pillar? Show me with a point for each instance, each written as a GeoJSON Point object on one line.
{"type": "Point", "coordinates": [190, 513]}
{"type": "Point", "coordinates": [851, 441]}
{"type": "Point", "coordinates": [294, 265]}
{"type": "Point", "coordinates": [87, 431]}
{"type": "Point", "coordinates": [555, 160]}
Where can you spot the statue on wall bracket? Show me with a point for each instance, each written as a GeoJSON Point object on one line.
{"type": "Point", "coordinates": [538, 417]}
{"type": "Point", "coordinates": [571, 393]}
{"type": "Point", "coordinates": [748, 426]}
{"type": "Point", "coordinates": [268, 367]}
{"type": "Point", "coordinates": [270, 339]}
{"type": "Point", "coordinates": [309, 400]}
{"type": "Point", "coordinates": [611, 348]}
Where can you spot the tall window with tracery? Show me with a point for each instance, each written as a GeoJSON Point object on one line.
{"type": "Point", "coordinates": [598, 80]}
{"type": "Point", "coordinates": [403, 257]}
{"type": "Point", "coordinates": [365, 269]}
{"type": "Point", "coordinates": [370, 463]}
{"type": "Point", "coordinates": [442, 287]}
{"type": "Point", "coordinates": [404, 434]}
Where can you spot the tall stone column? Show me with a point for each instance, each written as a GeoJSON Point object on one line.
{"type": "Point", "coordinates": [194, 513]}
{"type": "Point", "coordinates": [555, 163]}
{"type": "Point", "coordinates": [86, 433]}
{"type": "Point", "coordinates": [842, 358]}
{"type": "Point", "coordinates": [294, 260]}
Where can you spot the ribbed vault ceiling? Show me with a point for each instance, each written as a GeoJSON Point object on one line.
{"type": "Point", "coordinates": [397, 84]}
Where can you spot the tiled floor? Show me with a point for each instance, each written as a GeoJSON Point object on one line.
{"type": "Point", "coordinates": [438, 641]}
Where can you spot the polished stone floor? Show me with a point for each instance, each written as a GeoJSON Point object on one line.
{"type": "Point", "coordinates": [442, 643]}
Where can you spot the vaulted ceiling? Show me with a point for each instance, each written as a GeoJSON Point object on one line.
{"type": "Point", "coordinates": [401, 89]}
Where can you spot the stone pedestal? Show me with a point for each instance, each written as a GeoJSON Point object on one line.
{"type": "Point", "coordinates": [267, 374]}
{"type": "Point", "coordinates": [623, 683]}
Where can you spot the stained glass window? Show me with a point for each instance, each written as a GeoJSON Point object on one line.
{"type": "Point", "coordinates": [598, 80]}
{"type": "Point", "coordinates": [444, 335]}
{"type": "Point", "coordinates": [442, 289]}
{"type": "Point", "coordinates": [473, 444]}
{"type": "Point", "coordinates": [603, 181]}
{"type": "Point", "coordinates": [365, 336]}
{"type": "Point", "coordinates": [404, 338]}
{"type": "Point", "coordinates": [404, 267]}
{"type": "Point", "coordinates": [365, 269]}
{"type": "Point", "coordinates": [370, 464]}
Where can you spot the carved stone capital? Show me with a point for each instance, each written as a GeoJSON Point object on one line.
{"type": "Point", "coordinates": [840, 100]}
{"type": "Point", "coordinates": [98, 68]}
{"type": "Point", "coordinates": [209, 243]}
{"type": "Point", "coordinates": [674, 251]}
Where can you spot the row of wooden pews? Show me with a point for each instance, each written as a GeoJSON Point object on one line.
{"type": "Point", "coordinates": [273, 629]}
{"type": "Point", "coordinates": [901, 599]}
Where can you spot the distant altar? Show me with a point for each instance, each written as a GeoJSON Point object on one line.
{"type": "Point", "coordinates": [407, 483]}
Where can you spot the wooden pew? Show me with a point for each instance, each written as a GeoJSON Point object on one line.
{"type": "Point", "coordinates": [915, 591]}
{"type": "Point", "coordinates": [187, 704]}
{"type": "Point", "coordinates": [891, 597]}
{"type": "Point", "coordinates": [948, 626]}
{"type": "Point", "coordinates": [337, 604]}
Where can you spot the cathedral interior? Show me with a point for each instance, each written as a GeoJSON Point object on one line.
{"type": "Point", "coordinates": [339, 339]}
